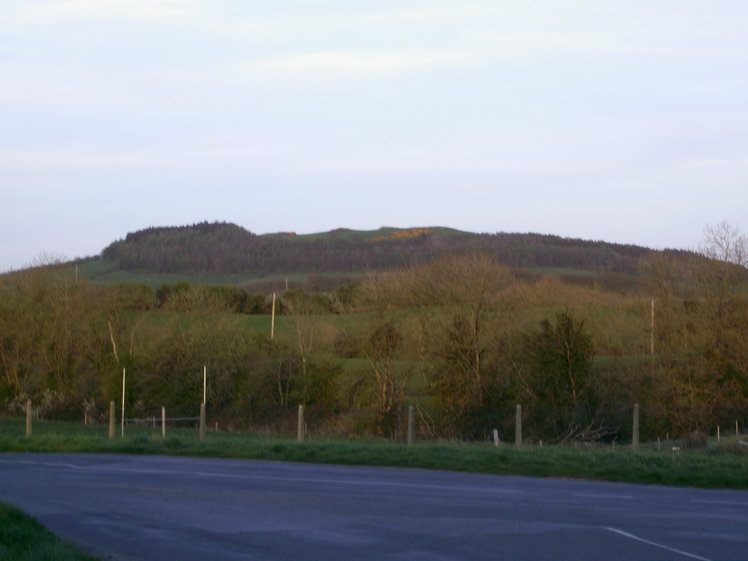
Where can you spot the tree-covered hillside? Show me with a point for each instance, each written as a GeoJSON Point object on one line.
{"type": "Point", "coordinates": [228, 248]}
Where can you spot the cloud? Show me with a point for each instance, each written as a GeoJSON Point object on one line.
{"type": "Point", "coordinates": [454, 162]}
{"type": "Point", "coordinates": [84, 157]}
{"type": "Point", "coordinates": [48, 84]}
{"type": "Point", "coordinates": [360, 65]}
{"type": "Point", "coordinates": [367, 64]}
{"type": "Point", "coordinates": [138, 9]}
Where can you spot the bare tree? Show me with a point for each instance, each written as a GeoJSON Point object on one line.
{"type": "Point", "coordinates": [467, 285]}
{"type": "Point", "coordinates": [464, 293]}
{"type": "Point", "coordinates": [725, 243]}
{"type": "Point", "coordinates": [381, 295]}
{"type": "Point", "coordinates": [723, 281]}
{"type": "Point", "coordinates": [701, 360]}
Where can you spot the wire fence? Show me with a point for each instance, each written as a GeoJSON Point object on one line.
{"type": "Point", "coordinates": [502, 425]}
{"type": "Point", "coordinates": [528, 425]}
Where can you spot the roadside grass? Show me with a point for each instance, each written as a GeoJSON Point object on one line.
{"type": "Point", "coordinates": [23, 539]}
{"type": "Point", "coordinates": [723, 465]}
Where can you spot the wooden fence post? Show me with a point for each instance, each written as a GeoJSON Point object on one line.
{"type": "Point", "coordinates": [635, 433]}
{"type": "Point", "coordinates": [28, 418]}
{"type": "Point", "coordinates": [518, 426]}
{"type": "Point", "coordinates": [202, 422]}
{"type": "Point", "coordinates": [410, 425]}
{"type": "Point", "coordinates": [111, 420]}
{"type": "Point", "coordinates": [122, 431]}
{"type": "Point", "coordinates": [300, 425]}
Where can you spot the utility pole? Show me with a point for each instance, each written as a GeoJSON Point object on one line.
{"type": "Point", "coordinates": [652, 329]}
{"type": "Point", "coordinates": [122, 433]}
{"type": "Point", "coordinates": [272, 319]}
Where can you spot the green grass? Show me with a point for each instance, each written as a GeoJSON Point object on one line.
{"type": "Point", "coordinates": [23, 539]}
{"type": "Point", "coordinates": [105, 273]}
{"type": "Point", "coordinates": [719, 466]}
{"type": "Point", "coordinates": [557, 271]}
{"type": "Point", "coordinates": [384, 231]}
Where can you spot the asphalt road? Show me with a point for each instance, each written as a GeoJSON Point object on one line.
{"type": "Point", "coordinates": [161, 509]}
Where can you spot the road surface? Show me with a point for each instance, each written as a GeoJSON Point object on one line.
{"type": "Point", "coordinates": [150, 508]}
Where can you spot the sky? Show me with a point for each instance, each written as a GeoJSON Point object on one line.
{"type": "Point", "coordinates": [616, 120]}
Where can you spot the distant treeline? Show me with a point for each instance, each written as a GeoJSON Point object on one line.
{"type": "Point", "coordinates": [228, 248]}
{"type": "Point", "coordinates": [185, 297]}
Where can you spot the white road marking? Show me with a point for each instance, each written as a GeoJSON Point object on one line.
{"type": "Point", "coordinates": [735, 503]}
{"type": "Point", "coordinates": [156, 471]}
{"type": "Point", "coordinates": [655, 544]}
{"type": "Point", "coordinates": [362, 482]}
{"type": "Point", "coordinates": [36, 463]}
{"type": "Point", "coordinates": [602, 496]}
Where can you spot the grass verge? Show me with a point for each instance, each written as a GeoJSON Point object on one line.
{"type": "Point", "coordinates": [719, 466]}
{"type": "Point", "coordinates": [23, 539]}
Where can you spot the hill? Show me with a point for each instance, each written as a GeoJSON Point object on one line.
{"type": "Point", "coordinates": [221, 249]}
{"type": "Point", "coordinates": [461, 337]}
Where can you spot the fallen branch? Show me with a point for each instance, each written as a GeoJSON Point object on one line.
{"type": "Point", "coordinates": [593, 432]}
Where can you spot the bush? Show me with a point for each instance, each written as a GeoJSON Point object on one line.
{"type": "Point", "coordinates": [695, 440]}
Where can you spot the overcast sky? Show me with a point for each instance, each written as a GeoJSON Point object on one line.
{"type": "Point", "coordinates": [619, 120]}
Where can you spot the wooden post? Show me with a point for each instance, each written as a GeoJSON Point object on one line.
{"type": "Point", "coordinates": [300, 425]}
{"type": "Point", "coordinates": [111, 420]}
{"type": "Point", "coordinates": [202, 422]}
{"type": "Point", "coordinates": [163, 422]}
{"type": "Point", "coordinates": [635, 433]}
{"type": "Point", "coordinates": [518, 426]}
{"type": "Point", "coordinates": [272, 319]}
{"type": "Point", "coordinates": [652, 329]}
{"type": "Point", "coordinates": [123, 403]}
{"type": "Point", "coordinates": [717, 433]}
{"type": "Point", "coordinates": [28, 418]}
{"type": "Point", "coordinates": [410, 425]}
{"type": "Point", "coordinates": [496, 440]}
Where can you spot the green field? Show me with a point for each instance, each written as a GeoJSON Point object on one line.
{"type": "Point", "coordinates": [365, 235]}
{"type": "Point", "coordinates": [105, 272]}
{"type": "Point", "coordinates": [720, 465]}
